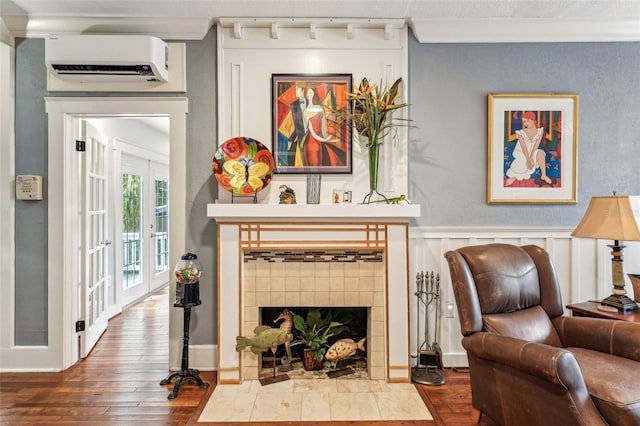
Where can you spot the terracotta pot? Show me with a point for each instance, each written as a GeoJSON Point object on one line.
{"type": "Point", "coordinates": [308, 362]}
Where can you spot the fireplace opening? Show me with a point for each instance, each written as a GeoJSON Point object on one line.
{"type": "Point", "coordinates": [339, 336]}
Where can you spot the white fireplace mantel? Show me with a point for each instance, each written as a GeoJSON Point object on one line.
{"type": "Point", "coordinates": [375, 212]}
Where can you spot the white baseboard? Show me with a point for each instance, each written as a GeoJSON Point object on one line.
{"type": "Point", "coordinates": [201, 357]}
{"type": "Point", "coordinates": [455, 360]}
{"type": "Point", "coordinates": [27, 359]}
{"type": "Point", "coordinates": [30, 359]}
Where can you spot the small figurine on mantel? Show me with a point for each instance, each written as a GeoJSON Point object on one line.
{"type": "Point", "coordinates": [394, 200]}
{"type": "Point", "coordinates": [287, 195]}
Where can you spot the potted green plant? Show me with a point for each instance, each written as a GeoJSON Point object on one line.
{"type": "Point", "coordinates": [314, 332]}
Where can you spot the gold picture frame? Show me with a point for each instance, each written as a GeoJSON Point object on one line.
{"type": "Point", "coordinates": [532, 148]}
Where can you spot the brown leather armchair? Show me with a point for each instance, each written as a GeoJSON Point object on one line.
{"type": "Point", "coordinates": [529, 364]}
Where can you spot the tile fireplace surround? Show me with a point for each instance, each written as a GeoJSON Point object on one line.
{"type": "Point", "coordinates": [383, 287]}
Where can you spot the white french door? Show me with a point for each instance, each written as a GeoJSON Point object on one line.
{"type": "Point", "coordinates": [94, 238]}
{"type": "Point", "coordinates": [159, 228]}
{"type": "Point", "coordinates": [144, 225]}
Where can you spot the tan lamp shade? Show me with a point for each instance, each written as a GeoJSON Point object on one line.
{"type": "Point", "coordinates": [611, 218]}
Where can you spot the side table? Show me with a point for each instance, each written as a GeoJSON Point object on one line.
{"type": "Point", "coordinates": [590, 309]}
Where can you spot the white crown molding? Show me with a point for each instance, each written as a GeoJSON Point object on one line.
{"type": "Point", "coordinates": [5, 35]}
{"type": "Point", "coordinates": [164, 28]}
{"type": "Point", "coordinates": [515, 30]}
{"type": "Point", "coordinates": [482, 30]}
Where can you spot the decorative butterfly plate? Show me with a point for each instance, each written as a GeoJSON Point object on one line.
{"type": "Point", "coordinates": [243, 166]}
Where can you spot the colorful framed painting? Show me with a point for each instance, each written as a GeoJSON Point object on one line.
{"type": "Point", "coordinates": [308, 137]}
{"type": "Point", "coordinates": [532, 148]}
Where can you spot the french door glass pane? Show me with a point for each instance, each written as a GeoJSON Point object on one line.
{"type": "Point", "coordinates": [131, 230]}
{"type": "Point", "coordinates": [162, 225]}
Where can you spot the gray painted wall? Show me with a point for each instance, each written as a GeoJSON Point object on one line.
{"type": "Point", "coordinates": [31, 158]}
{"type": "Point", "coordinates": [202, 188]}
{"type": "Point", "coordinates": [448, 87]}
{"type": "Point", "coordinates": [31, 216]}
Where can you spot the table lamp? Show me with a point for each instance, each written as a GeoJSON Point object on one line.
{"type": "Point", "coordinates": [615, 218]}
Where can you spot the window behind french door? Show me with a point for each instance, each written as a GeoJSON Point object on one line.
{"type": "Point", "coordinates": [145, 227]}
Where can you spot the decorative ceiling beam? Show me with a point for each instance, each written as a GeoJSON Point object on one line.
{"type": "Point", "coordinates": [237, 30]}
{"type": "Point", "coordinates": [350, 32]}
{"type": "Point", "coordinates": [387, 32]}
{"type": "Point", "coordinates": [276, 26]}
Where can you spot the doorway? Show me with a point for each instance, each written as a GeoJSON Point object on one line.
{"type": "Point", "coordinates": [123, 206]}
{"type": "Point", "coordinates": [63, 221]}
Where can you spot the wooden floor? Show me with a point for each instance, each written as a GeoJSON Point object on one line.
{"type": "Point", "coordinates": [119, 383]}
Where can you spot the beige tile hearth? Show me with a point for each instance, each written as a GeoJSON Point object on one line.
{"type": "Point", "coordinates": [315, 400]}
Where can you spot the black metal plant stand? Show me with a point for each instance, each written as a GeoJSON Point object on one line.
{"type": "Point", "coordinates": [185, 373]}
{"type": "Point", "coordinates": [188, 270]}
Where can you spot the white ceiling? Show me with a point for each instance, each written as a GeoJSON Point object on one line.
{"type": "Point", "coordinates": [429, 17]}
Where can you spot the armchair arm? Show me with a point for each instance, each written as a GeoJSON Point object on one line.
{"type": "Point", "coordinates": [550, 363]}
{"type": "Point", "coordinates": [548, 382]}
{"type": "Point", "coordinates": [614, 337]}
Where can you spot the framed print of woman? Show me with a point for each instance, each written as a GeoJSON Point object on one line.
{"type": "Point", "coordinates": [532, 152]}
{"type": "Point", "coordinates": [307, 138]}
{"type": "Point", "coordinates": [532, 148]}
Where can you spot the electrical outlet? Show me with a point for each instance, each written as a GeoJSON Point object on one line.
{"type": "Point", "coordinates": [450, 310]}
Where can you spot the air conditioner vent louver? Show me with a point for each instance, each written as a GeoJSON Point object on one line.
{"type": "Point", "coordinates": [87, 58]}
{"type": "Point", "coordinates": [110, 69]}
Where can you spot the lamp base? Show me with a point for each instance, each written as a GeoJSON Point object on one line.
{"type": "Point", "coordinates": [622, 302]}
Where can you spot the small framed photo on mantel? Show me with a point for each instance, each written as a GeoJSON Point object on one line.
{"type": "Point", "coordinates": [532, 148]}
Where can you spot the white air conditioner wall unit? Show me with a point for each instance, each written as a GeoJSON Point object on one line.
{"type": "Point", "coordinates": [109, 58]}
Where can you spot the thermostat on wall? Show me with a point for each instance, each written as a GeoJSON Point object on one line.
{"type": "Point", "coordinates": [28, 187]}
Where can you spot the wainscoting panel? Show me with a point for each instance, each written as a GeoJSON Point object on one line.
{"type": "Point", "coordinates": [583, 267]}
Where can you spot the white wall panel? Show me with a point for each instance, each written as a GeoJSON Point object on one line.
{"type": "Point", "coordinates": [250, 55]}
{"type": "Point", "coordinates": [583, 267]}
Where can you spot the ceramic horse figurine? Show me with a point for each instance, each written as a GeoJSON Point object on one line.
{"type": "Point", "coordinates": [286, 326]}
